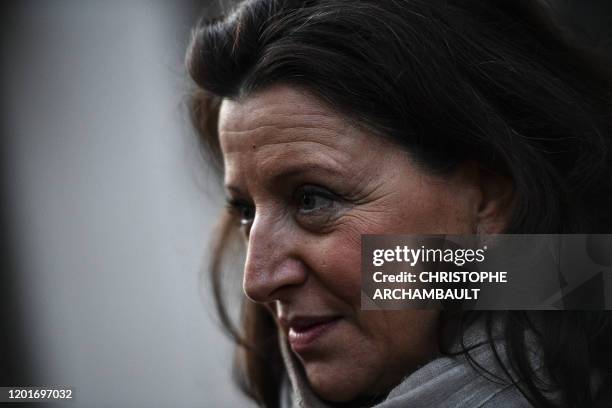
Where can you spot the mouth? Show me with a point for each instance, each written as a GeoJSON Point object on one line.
{"type": "Point", "coordinates": [303, 332]}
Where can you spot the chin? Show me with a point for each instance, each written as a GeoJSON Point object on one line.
{"type": "Point", "coordinates": [335, 384]}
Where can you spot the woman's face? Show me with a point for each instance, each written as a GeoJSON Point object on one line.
{"type": "Point", "coordinates": [306, 183]}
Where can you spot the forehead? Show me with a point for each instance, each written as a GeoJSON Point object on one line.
{"type": "Point", "coordinates": [279, 114]}
{"type": "Point", "coordinates": [285, 127]}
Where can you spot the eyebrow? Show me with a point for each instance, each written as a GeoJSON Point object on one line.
{"type": "Point", "coordinates": [291, 171]}
{"type": "Point", "coordinates": [234, 189]}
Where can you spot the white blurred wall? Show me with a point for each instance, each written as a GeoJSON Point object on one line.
{"type": "Point", "coordinates": [110, 204]}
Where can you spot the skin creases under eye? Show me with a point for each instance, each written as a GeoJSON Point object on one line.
{"type": "Point", "coordinates": [317, 207]}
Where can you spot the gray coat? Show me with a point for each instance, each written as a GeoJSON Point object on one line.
{"type": "Point", "coordinates": [446, 382]}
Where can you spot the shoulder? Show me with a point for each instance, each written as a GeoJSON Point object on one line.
{"type": "Point", "coordinates": [452, 382]}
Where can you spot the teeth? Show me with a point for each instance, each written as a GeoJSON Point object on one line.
{"type": "Point", "coordinates": [295, 334]}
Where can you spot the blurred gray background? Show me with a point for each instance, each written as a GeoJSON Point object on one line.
{"type": "Point", "coordinates": [108, 208]}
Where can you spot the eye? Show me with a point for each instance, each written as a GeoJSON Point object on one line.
{"type": "Point", "coordinates": [312, 199]}
{"type": "Point", "coordinates": [247, 214]}
{"type": "Point", "coordinates": [242, 210]}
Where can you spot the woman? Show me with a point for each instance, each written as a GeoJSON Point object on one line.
{"type": "Point", "coordinates": [332, 119]}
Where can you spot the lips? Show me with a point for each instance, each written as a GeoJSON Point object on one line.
{"type": "Point", "coordinates": [303, 332]}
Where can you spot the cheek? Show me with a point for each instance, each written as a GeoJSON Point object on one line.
{"type": "Point", "coordinates": [418, 206]}
{"type": "Point", "coordinates": [335, 258]}
{"type": "Point", "coordinates": [432, 206]}
{"type": "Point", "coordinates": [338, 260]}
{"type": "Point", "coordinates": [407, 334]}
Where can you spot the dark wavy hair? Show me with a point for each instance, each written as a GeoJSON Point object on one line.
{"type": "Point", "coordinates": [495, 81]}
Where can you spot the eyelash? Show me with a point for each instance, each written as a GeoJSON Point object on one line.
{"type": "Point", "coordinates": [244, 211]}
{"type": "Point", "coordinates": [318, 192]}
{"type": "Point", "coordinates": [238, 209]}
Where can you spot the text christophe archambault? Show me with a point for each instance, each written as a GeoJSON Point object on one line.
{"type": "Point", "coordinates": [427, 283]}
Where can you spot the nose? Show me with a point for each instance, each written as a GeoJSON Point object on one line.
{"type": "Point", "coordinates": [272, 268]}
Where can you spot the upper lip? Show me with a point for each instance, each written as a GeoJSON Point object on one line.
{"type": "Point", "coordinates": [302, 323]}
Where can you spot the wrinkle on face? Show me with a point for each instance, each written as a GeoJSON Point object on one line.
{"type": "Point", "coordinates": [266, 153]}
{"type": "Point", "coordinates": [282, 138]}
